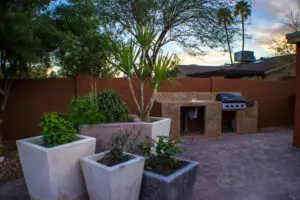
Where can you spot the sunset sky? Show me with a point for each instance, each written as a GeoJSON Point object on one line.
{"type": "Point", "coordinates": [265, 26]}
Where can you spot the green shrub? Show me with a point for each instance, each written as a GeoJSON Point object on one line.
{"type": "Point", "coordinates": [112, 107]}
{"type": "Point", "coordinates": [85, 110]}
{"type": "Point", "coordinates": [98, 107]}
{"type": "Point", "coordinates": [57, 130]}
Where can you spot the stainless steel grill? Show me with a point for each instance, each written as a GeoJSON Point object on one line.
{"type": "Point", "coordinates": [233, 101]}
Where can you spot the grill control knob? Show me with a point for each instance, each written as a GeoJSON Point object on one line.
{"type": "Point", "coordinates": [232, 106]}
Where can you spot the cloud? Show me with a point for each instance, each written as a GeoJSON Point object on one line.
{"type": "Point", "coordinates": [213, 58]}
{"type": "Point", "coordinates": [277, 8]}
{"type": "Point", "coordinates": [265, 26]}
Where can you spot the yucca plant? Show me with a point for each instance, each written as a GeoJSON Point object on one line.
{"type": "Point", "coordinates": [134, 59]}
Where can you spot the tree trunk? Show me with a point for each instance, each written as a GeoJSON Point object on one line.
{"type": "Point", "coordinates": [159, 43]}
{"type": "Point", "coordinates": [141, 93]}
{"type": "Point", "coordinates": [133, 95]}
{"type": "Point", "coordinates": [151, 101]}
{"type": "Point", "coordinates": [5, 92]}
{"type": "Point", "coordinates": [228, 42]}
{"type": "Point", "coordinates": [243, 45]}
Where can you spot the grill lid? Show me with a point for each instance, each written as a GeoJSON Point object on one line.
{"type": "Point", "coordinates": [230, 97]}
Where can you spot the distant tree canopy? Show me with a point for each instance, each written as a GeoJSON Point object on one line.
{"type": "Point", "coordinates": [84, 49]}
{"type": "Point", "coordinates": [33, 31]}
{"type": "Point", "coordinates": [190, 23]}
{"type": "Point", "coordinates": [83, 35]}
{"type": "Point", "coordinates": [280, 47]}
{"type": "Point", "coordinates": [26, 38]}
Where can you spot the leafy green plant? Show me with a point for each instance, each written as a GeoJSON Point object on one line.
{"type": "Point", "coordinates": [133, 59]}
{"type": "Point", "coordinates": [167, 147]}
{"type": "Point", "coordinates": [112, 107]}
{"type": "Point", "coordinates": [85, 110]}
{"type": "Point", "coordinates": [145, 148]}
{"type": "Point", "coordinates": [123, 141]}
{"type": "Point", "coordinates": [163, 160]}
{"type": "Point", "coordinates": [57, 130]}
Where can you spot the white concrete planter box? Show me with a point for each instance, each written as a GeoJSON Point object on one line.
{"type": "Point", "coordinates": [104, 132]}
{"type": "Point", "coordinates": [176, 186]}
{"type": "Point", "coordinates": [159, 127]}
{"type": "Point", "coordinates": [55, 173]}
{"type": "Point", "coordinates": [118, 182]}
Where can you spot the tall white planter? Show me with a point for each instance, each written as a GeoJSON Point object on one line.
{"type": "Point", "coordinates": [159, 127]}
{"type": "Point", "coordinates": [119, 182]}
{"type": "Point", "coordinates": [55, 173]}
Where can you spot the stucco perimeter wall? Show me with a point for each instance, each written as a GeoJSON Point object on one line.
{"type": "Point", "coordinates": [30, 98]}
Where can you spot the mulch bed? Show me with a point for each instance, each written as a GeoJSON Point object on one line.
{"type": "Point", "coordinates": [10, 168]}
{"type": "Point", "coordinates": [110, 162]}
{"type": "Point", "coordinates": [164, 169]}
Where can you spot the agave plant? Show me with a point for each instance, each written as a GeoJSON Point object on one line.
{"type": "Point", "coordinates": [134, 59]}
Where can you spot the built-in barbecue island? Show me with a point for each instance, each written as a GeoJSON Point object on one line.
{"type": "Point", "coordinates": [206, 114]}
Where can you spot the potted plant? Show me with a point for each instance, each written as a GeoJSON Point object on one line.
{"type": "Point", "coordinates": [165, 176]}
{"type": "Point", "coordinates": [135, 61]}
{"type": "Point", "coordinates": [115, 174]}
{"type": "Point", "coordinates": [100, 115]}
{"type": "Point", "coordinates": [50, 162]}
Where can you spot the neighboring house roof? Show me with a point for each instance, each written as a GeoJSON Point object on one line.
{"type": "Point", "coordinates": [196, 69]}
{"type": "Point", "coordinates": [293, 38]}
{"type": "Point", "coordinates": [260, 67]}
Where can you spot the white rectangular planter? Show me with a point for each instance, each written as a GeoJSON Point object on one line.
{"type": "Point", "coordinates": [104, 132]}
{"type": "Point", "coordinates": [55, 173]}
{"type": "Point", "coordinates": [118, 182]}
{"type": "Point", "coordinates": [160, 127]}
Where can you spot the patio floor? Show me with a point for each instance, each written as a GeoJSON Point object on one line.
{"type": "Point", "coordinates": [246, 167]}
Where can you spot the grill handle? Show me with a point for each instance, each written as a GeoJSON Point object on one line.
{"type": "Point", "coordinates": [250, 104]}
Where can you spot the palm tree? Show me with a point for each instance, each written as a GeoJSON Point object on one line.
{"type": "Point", "coordinates": [243, 9]}
{"type": "Point", "coordinates": [226, 19]}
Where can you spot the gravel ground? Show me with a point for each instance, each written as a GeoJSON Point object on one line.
{"type": "Point", "coordinates": [10, 168]}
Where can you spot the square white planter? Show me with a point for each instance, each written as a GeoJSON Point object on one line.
{"type": "Point", "coordinates": [159, 127]}
{"type": "Point", "coordinates": [55, 173]}
{"type": "Point", "coordinates": [118, 182]}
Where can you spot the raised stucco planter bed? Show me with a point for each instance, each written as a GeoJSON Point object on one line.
{"type": "Point", "coordinates": [118, 182]}
{"type": "Point", "coordinates": [176, 186]}
{"type": "Point", "coordinates": [55, 173]}
{"type": "Point", "coordinates": [104, 132]}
